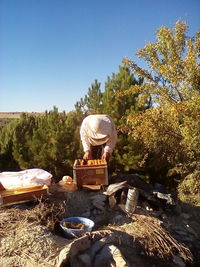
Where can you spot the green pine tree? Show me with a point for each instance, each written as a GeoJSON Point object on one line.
{"type": "Point", "coordinates": [92, 102]}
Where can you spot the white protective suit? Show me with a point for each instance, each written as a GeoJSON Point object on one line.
{"type": "Point", "coordinates": [98, 130]}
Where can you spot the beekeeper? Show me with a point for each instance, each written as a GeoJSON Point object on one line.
{"type": "Point", "coordinates": [98, 136]}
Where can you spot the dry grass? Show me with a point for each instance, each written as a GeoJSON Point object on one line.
{"type": "Point", "coordinates": [6, 117]}
{"type": "Point", "coordinates": [42, 214]}
{"type": "Point", "coordinates": [16, 115]}
{"type": "Point", "coordinates": [10, 115]}
{"type": "Point", "coordinates": [26, 235]}
{"type": "Point", "coordinates": [154, 240]}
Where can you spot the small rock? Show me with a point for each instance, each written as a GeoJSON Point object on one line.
{"type": "Point", "coordinates": [63, 257]}
{"type": "Point", "coordinates": [104, 257]}
{"type": "Point", "coordinates": [196, 227]}
{"type": "Point", "coordinates": [118, 257]}
{"type": "Point", "coordinates": [85, 259]}
{"type": "Point", "coordinates": [163, 216]}
{"type": "Point", "coordinates": [112, 202]}
{"type": "Point", "coordinates": [178, 261]}
{"type": "Point", "coordinates": [99, 197]}
{"type": "Point", "coordinates": [98, 206]}
{"type": "Point", "coordinates": [97, 202]}
{"type": "Point", "coordinates": [191, 231]}
{"type": "Point", "coordinates": [110, 255]}
{"type": "Point", "coordinates": [112, 188]}
{"type": "Point", "coordinates": [167, 197]}
{"type": "Point", "coordinates": [100, 220]}
{"type": "Point", "coordinates": [96, 247]}
{"type": "Point", "coordinates": [148, 208]}
{"type": "Point", "coordinates": [99, 212]}
{"type": "Point", "coordinates": [185, 216]}
{"type": "Point", "coordinates": [86, 214]}
{"type": "Point", "coordinates": [94, 211]}
{"type": "Point", "coordinates": [120, 219]}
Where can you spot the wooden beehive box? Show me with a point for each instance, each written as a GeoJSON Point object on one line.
{"type": "Point", "coordinates": [8, 197]}
{"type": "Point", "coordinates": [90, 173]}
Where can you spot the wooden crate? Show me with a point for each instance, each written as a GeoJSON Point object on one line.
{"type": "Point", "coordinates": [92, 174]}
{"type": "Point", "coordinates": [8, 197]}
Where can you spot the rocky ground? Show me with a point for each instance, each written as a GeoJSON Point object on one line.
{"type": "Point", "coordinates": [162, 231]}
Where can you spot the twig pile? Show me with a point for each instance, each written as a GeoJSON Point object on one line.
{"type": "Point", "coordinates": [26, 234]}
{"type": "Point", "coordinates": [155, 241]}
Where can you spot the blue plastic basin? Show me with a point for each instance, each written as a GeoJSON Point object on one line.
{"type": "Point", "coordinates": [73, 233]}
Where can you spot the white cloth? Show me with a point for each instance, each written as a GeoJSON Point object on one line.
{"type": "Point", "coordinates": [26, 178]}
{"type": "Point", "coordinates": [97, 130]}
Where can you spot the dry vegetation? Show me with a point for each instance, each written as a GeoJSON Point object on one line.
{"type": "Point", "coordinates": [6, 117]}
{"type": "Point", "coordinates": [10, 115]}
{"type": "Point", "coordinates": [154, 240]}
{"type": "Point", "coordinates": [16, 115]}
{"type": "Point", "coordinates": [28, 235]}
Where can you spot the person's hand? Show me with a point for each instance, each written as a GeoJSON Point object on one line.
{"type": "Point", "coordinates": [106, 156]}
{"type": "Point", "coordinates": [87, 155]}
{"type": "Point", "coordinates": [1, 187]}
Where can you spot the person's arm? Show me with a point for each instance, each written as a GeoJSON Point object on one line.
{"type": "Point", "coordinates": [87, 155]}
{"type": "Point", "coordinates": [112, 141]}
{"type": "Point", "coordinates": [85, 142]}
{"type": "Point", "coordinates": [1, 187]}
{"type": "Point", "coordinates": [106, 156]}
{"type": "Point", "coordinates": [110, 144]}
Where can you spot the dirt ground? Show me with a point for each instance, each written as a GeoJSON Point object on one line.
{"type": "Point", "coordinates": [30, 234]}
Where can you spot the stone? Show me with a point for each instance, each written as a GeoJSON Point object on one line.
{"type": "Point", "coordinates": [99, 212]}
{"type": "Point", "coordinates": [118, 257]}
{"type": "Point", "coordinates": [94, 211]}
{"type": "Point", "coordinates": [185, 216]}
{"type": "Point", "coordinates": [86, 214]}
{"type": "Point", "coordinates": [100, 197]}
{"type": "Point", "coordinates": [104, 257]}
{"type": "Point", "coordinates": [85, 259]}
{"type": "Point", "coordinates": [196, 227]}
{"type": "Point", "coordinates": [72, 250]}
{"type": "Point", "coordinates": [118, 219]}
{"type": "Point", "coordinates": [113, 188]}
{"type": "Point", "coordinates": [75, 262]}
{"type": "Point", "coordinates": [63, 257]}
{"type": "Point", "coordinates": [167, 197]}
{"type": "Point", "coordinates": [132, 180]}
{"type": "Point", "coordinates": [96, 247]}
{"type": "Point", "coordinates": [98, 202]}
{"type": "Point", "coordinates": [191, 231]}
{"type": "Point", "coordinates": [112, 202]}
{"type": "Point", "coordinates": [146, 206]}
{"type": "Point", "coordinates": [110, 255]}
{"type": "Point", "coordinates": [100, 220]}
{"type": "Point", "coordinates": [178, 261]}
{"type": "Point", "coordinates": [98, 205]}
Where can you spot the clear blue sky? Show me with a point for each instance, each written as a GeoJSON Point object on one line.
{"type": "Point", "coordinates": [52, 50]}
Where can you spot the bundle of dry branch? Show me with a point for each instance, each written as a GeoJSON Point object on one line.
{"type": "Point", "coordinates": [26, 234]}
{"type": "Point", "coordinates": [155, 241]}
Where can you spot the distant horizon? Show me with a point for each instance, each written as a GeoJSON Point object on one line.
{"type": "Point", "coordinates": [14, 112]}
{"type": "Point", "coordinates": [30, 111]}
{"type": "Point", "coordinates": [19, 112]}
